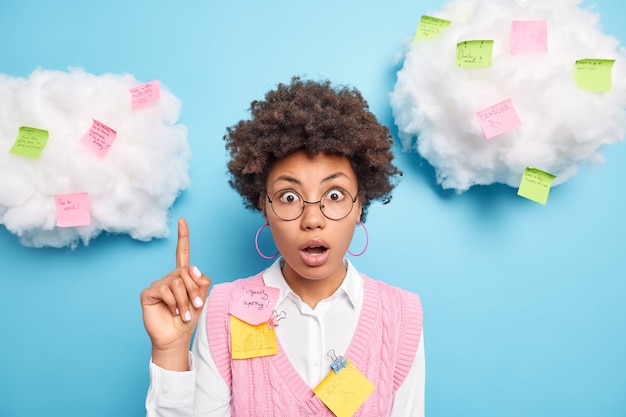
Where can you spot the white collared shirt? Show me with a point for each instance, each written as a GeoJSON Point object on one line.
{"type": "Point", "coordinates": [307, 336]}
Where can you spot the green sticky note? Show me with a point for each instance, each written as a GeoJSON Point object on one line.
{"type": "Point", "coordinates": [474, 54]}
{"type": "Point", "coordinates": [535, 185]}
{"type": "Point", "coordinates": [30, 142]}
{"type": "Point", "coordinates": [430, 27]}
{"type": "Point", "coordinates": [594, 74]}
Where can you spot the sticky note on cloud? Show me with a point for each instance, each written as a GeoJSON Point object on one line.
{"type": "Point", "coordinates": [594, 74]}
{"type": "Point", "coordinates": [498, 119]}
{"type": "Point", "coordinates": [29, 142]}
{"type": "Point", "coordinates": [529, 36]}
{"type": "Point", "coordinates": [474, 53]}
{"type": "Point", "coordinates": [145, 94]}
{"type": "Point", "coordinates": [72, 209]}
{"type": "Point", "coordinates": [535, 185]}
{"type": "Point", "coordinates": [430, 27]}
{"type": "Point", "coordinates": [98, 138]}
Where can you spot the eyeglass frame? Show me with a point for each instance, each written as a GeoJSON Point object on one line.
{"type": "Point", "coordinates": [304, 202]}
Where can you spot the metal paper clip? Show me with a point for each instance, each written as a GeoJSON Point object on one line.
{"type": "Point", "coordinates": [276, 317]}
{"type": "Point", "coordinates": [338, 362]}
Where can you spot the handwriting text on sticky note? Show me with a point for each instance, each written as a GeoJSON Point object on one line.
{"type": "Point", "coordinates": [30, 142]}
{"type": "Point", "coordinates": [144, 94]}
{"type": "Point", "coordinates": [253, 304]}
{"type": "Point", "coordinates": [535, 185]}
{"type": "Point", "coordinates": [72, 209]}
{"type": "Point", "coordinates": [344, 392]}
{"type": "Point", "coordinates": [474, 54]}
{"type": "Point", "coordinates": [498, 119]}
{"type": "Point", "coordinates": [99, 138]}
{"type": "Point", "coordinates": [529, 36]}
{"type": "Point", "coordinates": [430, 27]}
{"type": "Point", "coordinates": [594, 74]}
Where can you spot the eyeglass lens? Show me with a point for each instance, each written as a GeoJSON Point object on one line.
{"type": "Point", "coordinates": [335, 204]}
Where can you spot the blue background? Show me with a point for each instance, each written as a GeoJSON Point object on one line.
{"type": "Point", "coordinates": [524, 303]}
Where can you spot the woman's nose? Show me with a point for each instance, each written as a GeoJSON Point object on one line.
{"type": "Point", "coordinates": [312, 216]}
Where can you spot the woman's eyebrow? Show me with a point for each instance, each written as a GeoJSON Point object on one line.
{"type": "Point", "coordinates": [335, 175]}
{"type": "Point", "coordinates": [287, 178]}
{"type": "Point", "coordinates": [295, 181]}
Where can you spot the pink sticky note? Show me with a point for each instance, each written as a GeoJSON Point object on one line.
{"type": "Point", "coordinates": [529, 36]}
{"type": "Point", "coordinates": [99, 138]}
{"type": "Point", "coordinates": [498, 119]}
{"type": "Point", "coordinates": [72, 209]}
{"type": "Point", "coordinates": [145, 94]}
{"type": "Point", "coordinates": [253, 304]}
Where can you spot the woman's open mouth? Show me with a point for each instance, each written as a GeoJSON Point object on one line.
{"type": "Point", "coordinates": [314, 252]}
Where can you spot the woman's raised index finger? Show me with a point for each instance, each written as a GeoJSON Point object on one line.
{"type": "Point", "coordinates": [182, 247]}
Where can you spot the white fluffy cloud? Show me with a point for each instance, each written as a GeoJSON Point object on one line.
{"type": "Point", "coordinates": [130, 189]}
{"type": "Point", "coordinates": [562, 127]}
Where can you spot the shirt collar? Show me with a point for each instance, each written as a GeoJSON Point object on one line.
{"type": "Point", "coordinates": [352, 284]}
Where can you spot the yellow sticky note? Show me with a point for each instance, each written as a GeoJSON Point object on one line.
{"type": "Point", "coordinates": [30, 142]}
{"type": "Point", "coordinates": [594, 74]}
{"type": "Point", "coordinates": [430, 27]}
{"type": "Point", "coordinates": [474, 54]}
{"type": "Point", "coordinates": [249, 341]}
{"type": "Point", "coordinates": [344, 392]}
{"type": "Point", "coordinates": [535, 185]}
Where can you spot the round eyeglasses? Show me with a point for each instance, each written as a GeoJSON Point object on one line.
{"type": "Point", "coordinates": [288, 204]}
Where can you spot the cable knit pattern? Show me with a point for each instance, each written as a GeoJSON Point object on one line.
{"type": "Point", "coordinates": [382, 348]}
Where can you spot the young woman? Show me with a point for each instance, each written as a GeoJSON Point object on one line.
{"type": "Point", "coordinates": [310, 335]}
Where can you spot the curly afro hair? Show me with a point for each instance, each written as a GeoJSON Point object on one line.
{"type": "Point", "coordinates": [315, 117]}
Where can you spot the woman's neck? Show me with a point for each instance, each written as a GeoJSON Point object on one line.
{"type": "Point", "coordinates": [312, 291]}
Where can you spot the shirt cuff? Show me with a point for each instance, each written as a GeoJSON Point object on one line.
{"type": "Point", "coordinates": [171, 389]}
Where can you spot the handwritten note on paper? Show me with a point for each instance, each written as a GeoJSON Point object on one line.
{"type": "Point", "coordinates": [253, 304]}
{"type": "Point", "coordinates": [344, 392]}
{"type": "Point", "coordinates": [535, 185]}
{"type": "Point", "coordinates": [529, 36]}
{"type": "Point", "coordinates": [248, 341]}
{"type": "Point", "coordinates": [99, 138]}
{"type": "Point", "coordinates": [72, 209]}
{"type": "Point", "coordinates": [144, 94]}
{"type": "Point", "coordinates": [474, 54]}
{"type": "Point", "coordinates": [594, 74]}
{"type": "Point", "coordinates": [430, 27]}
{"type": "Point", "coordinates": [30, 142]}
{"type": "Point", "coordinates": [498, 119]}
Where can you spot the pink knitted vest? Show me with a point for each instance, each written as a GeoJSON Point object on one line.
{"type": "Point", "coordinates": [383, 348]}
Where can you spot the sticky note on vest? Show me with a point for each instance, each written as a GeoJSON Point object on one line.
{"type": "Point", "coordinates": [253, 304]}
{"type": "Point", "coordinates": [248, 341]}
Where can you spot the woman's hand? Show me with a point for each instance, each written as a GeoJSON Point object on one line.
{"type": "Point", "coordinates": [172, 306]}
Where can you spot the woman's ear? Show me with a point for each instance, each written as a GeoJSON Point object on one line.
{"type": "Point", "coordinates": [263, 206]}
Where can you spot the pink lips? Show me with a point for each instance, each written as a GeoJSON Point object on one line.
{"type": "Point", "coordinates": [314, 252]}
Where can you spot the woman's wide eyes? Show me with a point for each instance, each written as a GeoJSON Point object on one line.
{"type": "Point", "coordinates": [335, 194]}
{"type": "Point", "coordinates": [289, 197]}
